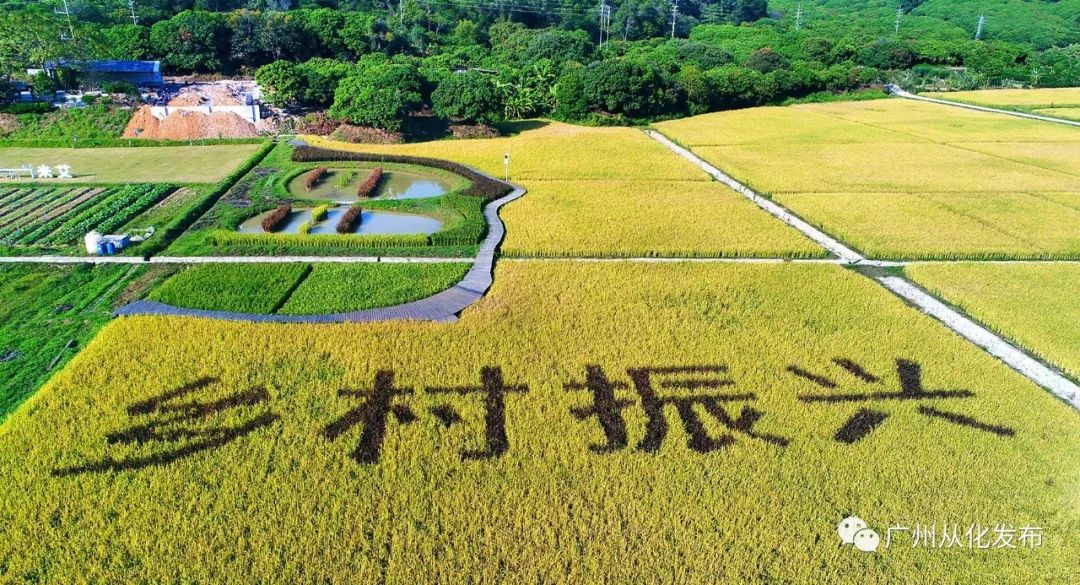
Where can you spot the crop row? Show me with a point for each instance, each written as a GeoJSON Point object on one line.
{"type": "Point", "coordinates": [43, 208]}
{"type": "Point", "coordinates": [314, 177]}
{"type": "Point", "coordinates": [274, 220]}
{"type": "Point", "coordinates": [229, 238]}
{"type": "Point", "coordinates": [350, 220]}
{"type": "Point", "coordinates": [481, 185]}
{"type": "Point", "coordinates": [112, 212]}
{"type": "Point", "coordinates": [367, 188]}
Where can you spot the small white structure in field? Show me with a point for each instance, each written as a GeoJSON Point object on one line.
{"type": "Point", "coordinates": [44, 172]}
{"type": "Point", "coordinates": [64, 170]}
{"type": "Point", "coordinates": [92, 240]}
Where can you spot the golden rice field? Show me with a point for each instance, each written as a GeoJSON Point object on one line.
{"type": "Point", "coordinates": [1066, 113]}
{"type": "Point", "coordinates": [164, 164]}
{"type": "Point", "coordinates": [901, 179]}
{"type": "Point", "coordinates": [1035, 305]}
{"type": "Point", "coordinates": [645, 218]}
{"type": "Point", "coordinates": [944, 124]}
{"type": "Point", "coordinates": [635, 424]}
{"type": "Point", "coordinates": [1014, 97]}
{"type": "Point", "coordinates": [612, 192]}
{"type": "Point", "coordinates": [979, 225]}
{"type": "Point", "coordinates": [552, 150]}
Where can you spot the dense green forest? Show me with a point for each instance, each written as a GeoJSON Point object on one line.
{"type": "Point", "coordinates": [371, 62]}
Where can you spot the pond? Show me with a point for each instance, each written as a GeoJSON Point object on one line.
{"type": "Point", "coordinates": [394, 185]}
{"type": "Point", "coordinates": [371, 222]}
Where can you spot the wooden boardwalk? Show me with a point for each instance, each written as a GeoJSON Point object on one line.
{"type": "Point", "coordinates": [442, 307]}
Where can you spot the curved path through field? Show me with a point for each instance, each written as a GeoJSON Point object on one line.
{"type": "Point", "coordinates": [441, 307]}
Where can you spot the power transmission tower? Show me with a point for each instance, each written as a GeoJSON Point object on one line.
{"type": "Point", "coordinates": [674, 13]}
{"type": "Point", "coordinates": [66, 13]}
{"type": "Point", "coordinates": [798, 17]}
{"type": "Point", "coordinates": [605, 21]}
{"type": "Point", "coordinates": [899, 13]}
{"type": "Point", "coordinates": [979, 29]}
{"type": "Point", "coordinates": [134, 17]}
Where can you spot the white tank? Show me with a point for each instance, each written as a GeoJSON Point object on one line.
{"type": "Point", "coordinates": [92, 239]}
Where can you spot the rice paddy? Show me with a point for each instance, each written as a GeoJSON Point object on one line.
{"type": "Point", "coordinates": [635, 423]}
{"type": "Point", "coordinates": [1015, 97]}
{"type": "Point", "coordinates": [1035, 305]}
{"type": "Point", "coordinates": [899, 179]}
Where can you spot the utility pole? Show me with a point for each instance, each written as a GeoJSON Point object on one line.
{"type": "Point", "coordinates": [401, 13]}
{"type": "Point", "coordinates": [979, 30]}
{"type": "Point", "coordinates": [798, 18]}
{"type": "Point", "coordinates": [674, 13]}
{"type": "Point", "coordinates": [134, 17]}
{"type": "Point", "coordinates": [605, 19]}
{"type": "Point", "coordinates": [899, 13]}
{"type": "Point", "coordinates": [66, 13]}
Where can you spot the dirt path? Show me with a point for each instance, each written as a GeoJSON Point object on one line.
{"type": "Point", "coordinates": [1035, 370]}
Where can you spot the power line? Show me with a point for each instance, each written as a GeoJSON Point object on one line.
{"type": "Point", "coordinates": [479, 4]}
{"type": "Point", "coordinates": [66, 12]}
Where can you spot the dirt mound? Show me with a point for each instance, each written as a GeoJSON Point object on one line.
{"type": "Point", "coordinates": [366, 135]}
{"type": "Point", "coordinates": [185, 125]}
{"type": "Point", "coordinates": [218, 94]}
{"type": "Point", "coordinates": [8, 124]}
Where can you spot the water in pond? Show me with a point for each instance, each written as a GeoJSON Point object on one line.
{"type": "Point", "coordinates": [394, 185]}
{"type": "Point", "coordinates": [371, 222]}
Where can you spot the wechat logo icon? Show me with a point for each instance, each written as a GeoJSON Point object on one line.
{"type": "Point", "coordinates": [854, 531]}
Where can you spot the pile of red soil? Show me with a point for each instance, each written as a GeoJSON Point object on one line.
{"type": "Point", "coordinates": [185, 125]}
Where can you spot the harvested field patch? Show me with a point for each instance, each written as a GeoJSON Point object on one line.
{"type": "Point", "coordinates": [610, 418]}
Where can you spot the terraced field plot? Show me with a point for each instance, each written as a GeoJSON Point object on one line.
{"type": "Point", "coordinates": [1035, 305]}
{"type": "Point", "coordinates": [612, 192]}
{"type": "Point", "coordinates": [634, 423]}
{"type": "Point", "coordinates": [165, 164]}
{"type": "Point", "coordinates": [899, 179]}
{"type": "Point", "coordinates": [57, 216]}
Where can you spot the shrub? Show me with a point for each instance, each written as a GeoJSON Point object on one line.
{"type": "Point", "coordinates": [367, 188]}
{"type": "Point", "coordinates": [229, 238]}
{"type": "Point", "coordinates": [315, 176]}
{"type": "Point", "coordinates": [482, 185]}
{"type": "Point", "coordinates": [273, 221]}
{"type": "Point", "coordinates": [349, 220]}
{"type": "Point", "coordinates": [344, 178]}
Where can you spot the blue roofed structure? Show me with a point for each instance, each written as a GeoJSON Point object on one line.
{"type": "Point", "coordinates": [141, 73]}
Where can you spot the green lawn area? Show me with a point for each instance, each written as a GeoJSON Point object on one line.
{"type": "Point", "coordinates": [146, 164]}
{"type": "Point", "coordinates": [1035, 305]}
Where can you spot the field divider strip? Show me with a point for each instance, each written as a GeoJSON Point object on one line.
{"type": "Point", "coordinates": [894, 90]}
{"type": "Point", "coordinates": [1033, 369]}
{"type": "Point", "coordinates": [783, 214]}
